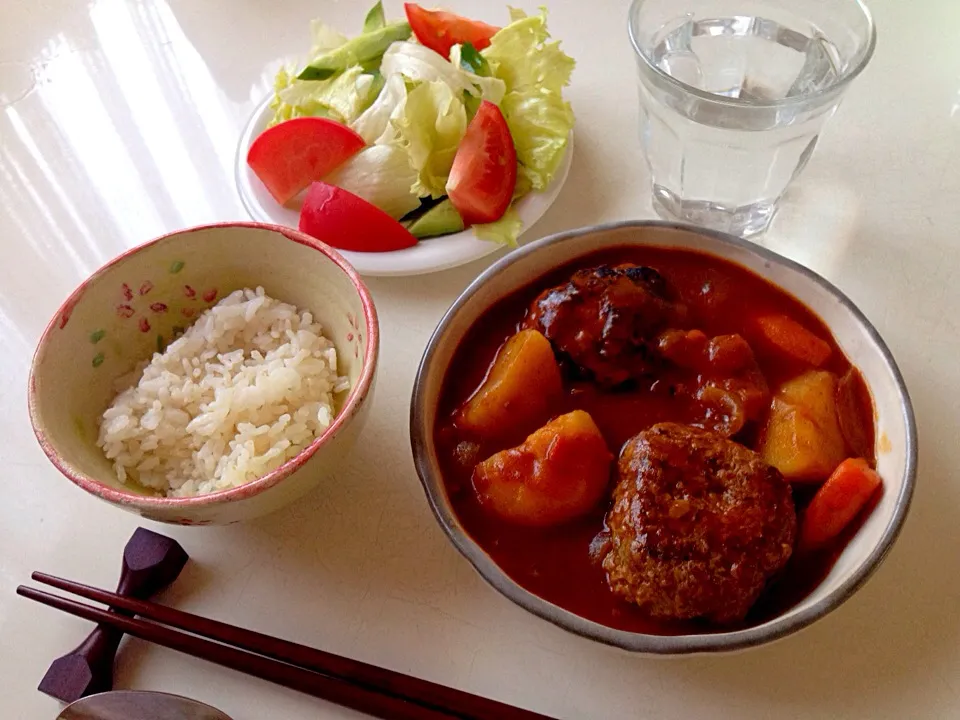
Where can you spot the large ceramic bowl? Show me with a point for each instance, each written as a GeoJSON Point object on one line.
{"type": "Point", "coordinates": [134, 304]}
{"type": "Point", "coordinates": [896, 431]}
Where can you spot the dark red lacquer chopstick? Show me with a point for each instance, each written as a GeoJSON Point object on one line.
{"type": "Point", "coordinates": [322, 686]}
{"type": "Point", "coordinates": [282, 656]}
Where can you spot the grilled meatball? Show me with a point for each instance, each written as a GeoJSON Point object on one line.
{"type": "Point", "coordinates": [698, 526]}
{"type": "Point", "coordinates": [605, 320]}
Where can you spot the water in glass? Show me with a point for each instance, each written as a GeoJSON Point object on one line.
{"type": "Point", "coordinates": [722, 156]}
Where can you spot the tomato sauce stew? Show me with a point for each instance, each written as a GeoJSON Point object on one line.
{"type": "Point", "coordinates": [796, 401]}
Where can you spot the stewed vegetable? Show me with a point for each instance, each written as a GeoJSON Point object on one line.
{"type": "Point", "coordinates": [559, 472]}
{"type": "Point", "coordinates": [520, 393]}
{"type": "Point", "coordinates": [803, 438]}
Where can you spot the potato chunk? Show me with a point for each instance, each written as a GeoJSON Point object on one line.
{"type": "Point", "coordinates": [518, 394]}
{"type": "Point", "coordinates": [802, 438]}
{"type": "Point", "coordinates": [561, 471]}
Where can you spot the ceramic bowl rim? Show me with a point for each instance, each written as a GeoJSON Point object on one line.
{"type": "Point", "coordinates": [131, 499]}
{"type": "Point", "coordinates": [772, 630]}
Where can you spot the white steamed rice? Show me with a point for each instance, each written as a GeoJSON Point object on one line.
{"type": "Point", "coordinates": [243, 390]}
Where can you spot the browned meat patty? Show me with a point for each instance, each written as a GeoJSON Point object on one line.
{"type": "Point", "coordinates": [605, 319]}
{"type": "Point", "coordinates": [698, 526]}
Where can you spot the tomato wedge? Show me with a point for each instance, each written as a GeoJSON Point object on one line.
{"type": "Point", "coordinates": [341, 219]}
{"type": "Point", "coordinates": [440, 30]}
{"type": "Point", "coordinates": [289, 156]}
{"type": "Point", "coordinates": [484, 172]}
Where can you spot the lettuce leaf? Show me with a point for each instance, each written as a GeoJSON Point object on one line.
{"type": "Point", "coordinates": [522, 187]}
{"type": "Point", "coordinates": [534, 72]}
{"type": "Point", "coordinates": [342, 98]}
{"type": "Point", "coordinates": [325, 38]}
{"type": "Point", "coordinates": [507, 229]}
{"type": "Point", "coordinates": [381, 175]}
{"type": "Point", "coordinates": [517, 13]}
{"type": "Point", "coordinates": [504, 231]}
{"type": "Point", "coordinates": [421, 64]}
{"type": "Point", "coordinates": [374, 124]}
{"type": "Point", "coordinates": [430, 124]}
{"type": "Point", "coordinates": [520, 55]}
{"type": "Point", "coordinates": [472, 62]}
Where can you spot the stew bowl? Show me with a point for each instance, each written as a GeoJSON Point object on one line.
{"type": "Point", "coordinates": [896, 442]}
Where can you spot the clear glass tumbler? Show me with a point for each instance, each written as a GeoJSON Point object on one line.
{"type": "Point", "coordinates": [734, 95]}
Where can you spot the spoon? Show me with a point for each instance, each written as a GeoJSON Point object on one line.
{"type": "Point", "coordinates": [139, 705]}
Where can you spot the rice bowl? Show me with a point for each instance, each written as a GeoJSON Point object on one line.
{"type": "Point", "coordinates": [141, 302]}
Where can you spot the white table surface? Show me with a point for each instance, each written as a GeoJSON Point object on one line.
{"type": "Point", "coordinates": [131, 131]}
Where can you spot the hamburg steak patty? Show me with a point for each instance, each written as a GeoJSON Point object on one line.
{"type": "Point", "coordinates": [698, 525]}
{"type": "Point", "coordinates": [605, 319]}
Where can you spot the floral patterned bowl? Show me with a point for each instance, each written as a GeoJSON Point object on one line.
{"type": "Point", "coordinates": [135, 304]}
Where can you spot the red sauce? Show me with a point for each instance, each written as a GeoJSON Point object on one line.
{"type": "Point", "coordinates": [555, 563]}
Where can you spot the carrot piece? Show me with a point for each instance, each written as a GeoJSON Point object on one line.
{"type": "Point", "coordinates": [794, 339]}
{"type": "Point", "coordinates": [837, 502]}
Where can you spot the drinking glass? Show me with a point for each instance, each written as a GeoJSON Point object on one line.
{"type": "Point", "coordinates": [734, 95]}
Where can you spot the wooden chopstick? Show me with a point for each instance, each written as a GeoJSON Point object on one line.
{"type": "Point", "coordinates": [375, 678]}
{"type": "Point", "coordinates": [296, 678]}
{"type": "Point", "coordinates": [361, 676]}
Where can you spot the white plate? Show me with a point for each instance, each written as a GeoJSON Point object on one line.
{"type": "Point", "coordinates": [426, 256]}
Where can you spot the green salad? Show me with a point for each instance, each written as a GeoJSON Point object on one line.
{"type": "Point", "coordinates": [411, 88]}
